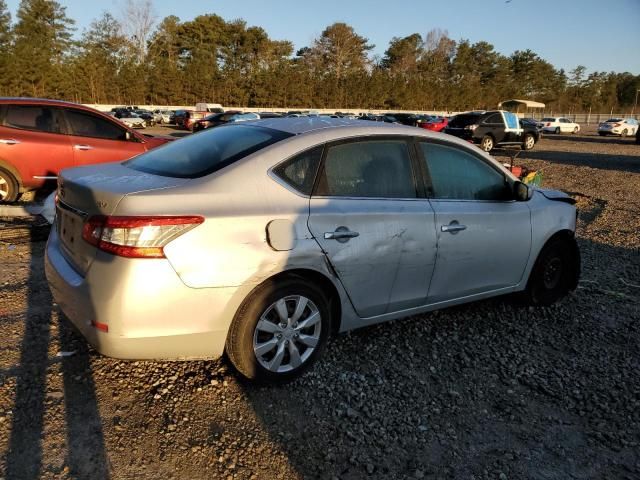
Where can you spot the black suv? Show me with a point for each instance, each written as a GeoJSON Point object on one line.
{"type": "Point", "coordinates": [493, 129]}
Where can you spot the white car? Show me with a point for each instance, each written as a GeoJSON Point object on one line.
{"type": "Point", "coordinates": [133, 121]}
{"type": "Point", "coordinates": [618, 126]}
{"type": "Point", "coordinates": [162, 116]}
{"type": "Point", "coordinates": [558, 125]}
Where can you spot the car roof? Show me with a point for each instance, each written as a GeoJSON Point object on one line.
{"type": "Point", "coordinates": [339, 128]}
{"type": "Point", "coordinates": [300, 125]}
{"type": "Point", "coordinates": [40, 101]}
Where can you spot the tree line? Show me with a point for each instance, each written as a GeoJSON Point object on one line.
{"type": "Point", "coordinates": [136, 60]}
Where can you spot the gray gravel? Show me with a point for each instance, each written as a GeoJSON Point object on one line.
{"type": "Point", "coordinates": [488, 390]}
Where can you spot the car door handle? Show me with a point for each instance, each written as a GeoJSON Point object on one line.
{"type": "Point", "coordinates": [453, 227]}
{"type": "Point", "coordinates": [9, 141]}
{"type": "Point", "coordinates": [83, 147]}
{"type": "Point", "coordinates": [339, 235]}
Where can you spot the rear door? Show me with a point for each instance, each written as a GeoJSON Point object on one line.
{"type": "Point", "coordinates": [95, 139]}
{"type": "Point", "coordinates": [32, 140]}
{"type": "Point", "coordinates": [483, 237]}
{"type": "Point", "coordinates": [373, 224]}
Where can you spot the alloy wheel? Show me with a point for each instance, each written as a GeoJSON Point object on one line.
{"type": "Point", "coordinates": [4, 188]}
{"type": "Point", "coordinates": [287, 333]}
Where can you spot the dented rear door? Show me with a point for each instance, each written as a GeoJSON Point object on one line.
{"type": "Point", "coordinates": [375, 231]}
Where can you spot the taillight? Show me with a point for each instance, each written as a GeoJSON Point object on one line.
{"type": "Point", "coordinates": [548, 124]}
{"type": "Point", "coordinates": [471, 127]}
{"type": "Point", "coordinates": [136, 237]}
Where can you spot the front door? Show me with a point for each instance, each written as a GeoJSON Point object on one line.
{"type": "Point", "coordinates": [484, 237]}
{"type": "Point", "coordinates": [376, 232]}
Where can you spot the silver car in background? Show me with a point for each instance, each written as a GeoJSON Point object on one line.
{"type": "Point", "coordinates": [262, 238]}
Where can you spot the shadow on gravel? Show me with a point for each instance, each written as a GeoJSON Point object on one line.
{"type": "Point", "coordinates": [627, 163]}
{"type": "Point", "coordinates": [483, 390]}
{"type": "Point", "coordinates": [612, 140]}
{"type": "Point", "coordinates": [86, 456]}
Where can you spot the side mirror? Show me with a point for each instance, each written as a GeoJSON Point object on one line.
{"type": "Point", "coordinates": [522, 192]}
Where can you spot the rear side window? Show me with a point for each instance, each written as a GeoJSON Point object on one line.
{"type": "Point", "coordinates": [33, 117]}
{"type": "Point", "coordinates": [377, 168]}
{"type": "Point", "coordinates": [208, 151]}
{"type": "Point", "coordinates": [88, 125]}
{"type": "Point", "coordinates": [458, 175]}
{"type": "Point", "coordinates": [460, 121]}
{"type": "Point", "coordinates": [300, 171]}
{"type": "Point", "coordinates": [494, 118]}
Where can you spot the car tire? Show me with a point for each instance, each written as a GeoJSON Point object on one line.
{"type": "Point", "coordinates": [623, 133]}
{"type": "Point", "coordinates": [486, 144]}
{"type": "Point", "coordinates": [259, 324]}
{"type": "Point", "coordinates": [555, 272]}
{"type": "Point", "coordinates": [602, 134]}
{"type": "Point", "coordinates": [529, 142]}
{"type": "Point", "coordinates": [576, 130]}
{"type": "Point", "coordinates": [557, 130]}
{"type": "Point", "coordinates": [9, 188]}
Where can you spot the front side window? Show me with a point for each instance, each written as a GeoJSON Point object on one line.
{"type": "Point", "coordinates": [375, 168]}
{"type": "Point", "coordinates": [300, 171]}
{"type": "Point", "coordinates": [84, 124]}
{"type": "Point", "coordinates": [459, 175]}
{"type": "Point", "coordinates": [199, 155]}
{"type": "Point", "coordinates": [39, 118]}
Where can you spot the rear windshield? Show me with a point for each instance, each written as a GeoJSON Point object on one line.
{"type": "Point", "coordinates": [464, 120]}
{"type": "Point", "coordinates": [206, 152]}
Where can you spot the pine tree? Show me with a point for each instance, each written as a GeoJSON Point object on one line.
{"type": "Point", "coordinates": [42, 38]}
{"type": "Point", "coordinates": [5, 47]}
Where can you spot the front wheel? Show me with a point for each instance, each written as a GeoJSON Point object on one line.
{"type": "Point", "coordinates": [8, 187]}
{"type": "Point", "coordinates": [279, 331]}
{"type": "Point", "coordinates": [555, 272]}
{"type": "Point", "coordinates": [486, 143]}
{"type": "Point", "coordinates": [529, 142]}
{"type": "Point", "coordinates": [575, 129]}
{"type": "Point", "coordinates": [557, 130]}
{"type": "Point", "coordinates": [624, 133]}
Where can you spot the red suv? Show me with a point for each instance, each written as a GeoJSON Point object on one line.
{"type": "Point", "coordinates": [40, 137]}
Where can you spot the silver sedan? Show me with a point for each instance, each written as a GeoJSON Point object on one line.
{"type": "Point", "coordinates": [262, 238]}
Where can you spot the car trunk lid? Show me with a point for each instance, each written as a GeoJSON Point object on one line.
{"type": "Point", "coordinates": [96, 190]}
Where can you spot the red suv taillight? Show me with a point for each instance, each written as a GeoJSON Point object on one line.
{"type": "Point", "coordinates": [136, 237]}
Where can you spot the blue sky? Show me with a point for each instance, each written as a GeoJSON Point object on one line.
{"type": "Point", "coordinates": [602, 35]}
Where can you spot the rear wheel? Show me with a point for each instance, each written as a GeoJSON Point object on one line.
{"type": "Point", "coordinates": [529, 142]}
{"type": "Point", "coordinates": [279, 331]}
{"type": "Point", "coordinates": [486, 143]}
{"type": "Point", "coordinates": [557, 130]}
{"type": "Point", "coordinates": [555, 272]}
{"type": "Point", "coordinates": [624, 133]}
{"type": "Point", "coordinates": [575, 129]}
{"type": "Point", "coordinates": [8, 187]}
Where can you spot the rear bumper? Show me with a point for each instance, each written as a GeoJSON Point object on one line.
{"type": "Point", "coordinates": [149, 312]}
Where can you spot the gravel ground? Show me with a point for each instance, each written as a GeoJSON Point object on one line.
{"type": "Point", "coordinates": [487, 390]}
